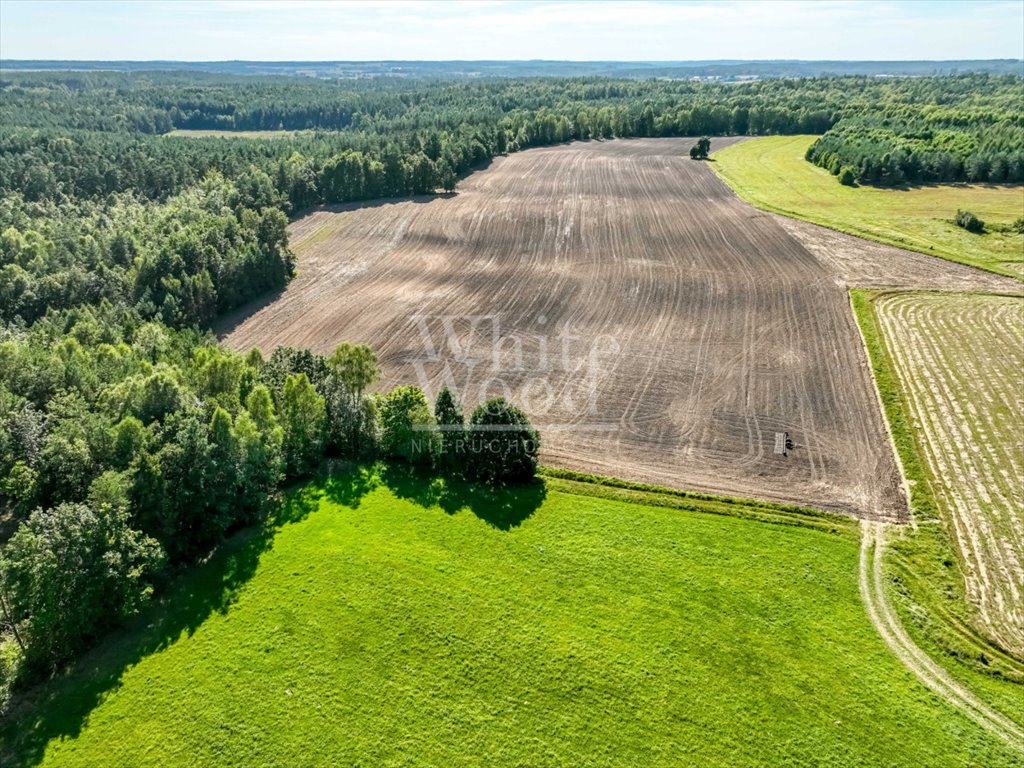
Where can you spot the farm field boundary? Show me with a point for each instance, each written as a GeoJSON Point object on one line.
{"type": "Point", "coordinates": [772, 174]}
{"type": "Point", "coordinates": [922, 561]}
{"type": "Point", "coordinates": [653, 325]}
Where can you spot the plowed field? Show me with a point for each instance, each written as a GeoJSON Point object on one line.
{"type": "Point", "coordinates": [655, 326]}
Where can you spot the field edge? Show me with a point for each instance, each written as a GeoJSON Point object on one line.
{"type": "Point", "coordinates": [616, 489]}
{"type": "Point", "coordinates": [764, 205]}
{"type": "Point", "coordinates": [927, 590]}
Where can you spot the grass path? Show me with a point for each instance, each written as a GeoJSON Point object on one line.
{"type": "Point", "coordinates": [771, 173]}
{"type": "Point", "coordinates": [884, 619]}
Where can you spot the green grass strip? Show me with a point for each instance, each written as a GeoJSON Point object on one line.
{"type": "Point", "coordinates": [586, 484]}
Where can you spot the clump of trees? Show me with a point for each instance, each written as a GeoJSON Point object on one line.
{"type": "Point", "coordinates": [700, 150]}
{"type": "Point", "coordinates": [502, 446]}
{"type": "Point", "coordinates": [71, 572]}
{"type": "Point", "coordinates": [970, 222]}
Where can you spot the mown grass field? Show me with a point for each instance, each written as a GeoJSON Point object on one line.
{"type": "Point", "coordinates": [391, 621]}
{"type": "Point", "coordinates": [959, 359]}
{"type": "Point", "coordinates": [771, 173]}
{"type": "Point", "coordinates": [946, 366]}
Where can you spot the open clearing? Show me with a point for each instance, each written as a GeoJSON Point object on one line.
{"type": "Point", "coordinates": [666, 330]}
{"type": "Point", "coordinates": [404, 623]}
{"type": "Point", "coordinates": [183, 133]}
{"type": "Point", "coordinates": [771, 173]}
{"type": "Point", "coordinates": [959, 360]}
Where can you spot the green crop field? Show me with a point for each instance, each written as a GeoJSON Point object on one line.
{"type": "Point", "coordinates": [387, 620]}
{"type": "Point", "coordinates": [771, 173]}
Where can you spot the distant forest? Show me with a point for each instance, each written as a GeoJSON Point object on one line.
{"type": "Point", "coordinates": [725, 69]}
{"type": "Point", "coordinates": [87, 135]}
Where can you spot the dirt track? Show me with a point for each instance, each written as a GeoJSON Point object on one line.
{"type": "Point", "coordinates": [872, 590]}
{"type": "Point", "coordinates": [655, 326]}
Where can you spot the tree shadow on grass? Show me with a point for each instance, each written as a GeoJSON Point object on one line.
{"type": "Point", "coordinates": [503, 507]}
{"type": "Point", "coordinates": [347, 482]}
{"type": "Point", "coordinates": [59, 707]}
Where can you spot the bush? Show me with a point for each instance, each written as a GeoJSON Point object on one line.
{"type": "Point", "coordinates": [407, 427]}
{"type": "Point", "coordinates": [502, 444]}
{"type": "Point", "coordinates": [970, 222]}
{"type": "Point", "coordinates": [847, 176]}
{"type": "Point", "coordinates": [1018, 226]}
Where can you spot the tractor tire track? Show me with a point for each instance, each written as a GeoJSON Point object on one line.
{"type": "Point", "coordinates": [885, 621]}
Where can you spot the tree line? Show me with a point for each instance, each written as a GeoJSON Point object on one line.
{"type": "Point", "coordinates": [80, 135]}
{"type": "Point", "coordinates": [128, 448]}
{"type": "Point", "coordinates": [945, 135]}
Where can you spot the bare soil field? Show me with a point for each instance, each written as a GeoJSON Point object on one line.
{"type": "Point", "coordinates": [959, 359]}
{"type": "Point", "coordinates": [863, 263]}
{"type": "Point", "coordinates": [654, 326]}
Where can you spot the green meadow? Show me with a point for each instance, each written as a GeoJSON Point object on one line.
{"type": "Point", "coordinates": [771, 173]}
{"type": "Point", "coordinates": [383, 619]}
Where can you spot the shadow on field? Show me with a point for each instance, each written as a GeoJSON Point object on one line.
{"type": "Point", "coordinates": [230, 320]}
{"type": "Point", "coordinates": [58, 708]}
{"type": "Point", "coordinates": [503, 507]}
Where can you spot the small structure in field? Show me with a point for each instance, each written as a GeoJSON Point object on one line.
{"type": "Point", "coordinates": [782, 443]}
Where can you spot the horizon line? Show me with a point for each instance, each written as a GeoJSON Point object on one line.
{"type": "Point", "coordinates": [512, 61]}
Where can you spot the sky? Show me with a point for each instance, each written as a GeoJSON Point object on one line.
{"type": "Point", "coordinates": [580, 30]}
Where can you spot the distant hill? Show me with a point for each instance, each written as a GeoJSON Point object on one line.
{"type": "Point", "coordinates": [720, 70]}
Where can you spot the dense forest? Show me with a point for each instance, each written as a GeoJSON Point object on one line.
{"type": "Point", "coordinates": [950, 131]}
{"type": "Point", "coordinates": [131, 443]}
{"type": "Point", "coordinates": [92, 134]}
